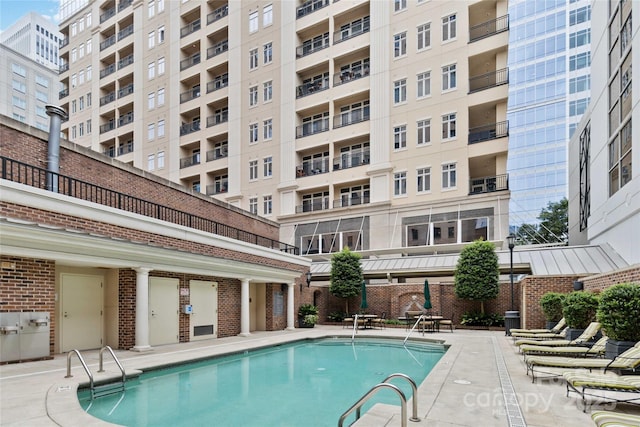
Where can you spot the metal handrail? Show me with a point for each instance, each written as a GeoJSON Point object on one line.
{"type": "Point", "coordinates": [355, 327]}
{"type": "Point", "coordinates": [356, 406]}
{"type": "Point", "coordinates": [84, 365]}
{"type": "Point", "coordinates": [100, 368]}
{"type": "Point", "coordinates": [414, 389]}
{"type": "Point", "coordinates": [421, 317]}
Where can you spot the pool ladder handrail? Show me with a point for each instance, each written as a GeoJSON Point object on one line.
{"type": "Point", "coordinates": [355, 327]}
{"type": "Point", "coordinates": [403, 400]}
{"type": "Point", "coordinates": [92, 387]}
{"type": "Point", "coordinates": [421, 317]}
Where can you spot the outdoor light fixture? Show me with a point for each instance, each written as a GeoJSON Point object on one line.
{"type": "Point", "coordinates": [308, 278]}
{"type": "Point", "coordinates": [511, 240]}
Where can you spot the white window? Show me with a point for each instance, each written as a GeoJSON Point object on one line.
{"type": "Point", "coordinates": [89, 73]}
{"type": "Point", "coordinates": [41, 96]}
{"type": "Point", "coordinates": [449, 27]}
{"type": "Point", "coordinates": [449, 77]}
{"type": "Point", "coordinates": [424, 36]}
{"type": "Point", "coordinates": [253, 22]}
{"type": "Point", "coordinates": [74, 55]}
{"type": "Point", "coordinates": [19, 86]}
{"type": "Point", "coordinates": [151, 163]}
{"type": "Point", "coordinates": [74, 132]}
{"type": "Point", "coordinates": [88, 126]}
{"type": "Point", "coordinates": [81, 129]}
{"type": "Point", "coordinates": [267, 15]}
{"type": "Point", "coordinates": [268, 166]}
{"type": "Point", "coordinates": [253, 133]}
{"type": "Point", "coordinates": [152, 39]}
{"type": "Point", "coordinates": [449, 175]}
{"type": "Point", "coordinates": [399, 5]}
{"type": "Point", "coordinates": [267, 205]}
{"type": "Point", "coordinates": [81, 102]}
{"type": "Point", "coordinates": [81, 77]}
{"type": "Point", "coordinates": [160, 34]}
{"type": "Point", "coordinates": [74, 80]}
{"type": "Point", "coordinates": [161, 66]}
{"type": "Point", "coordinates": [151, 131]}
{"type": "Point", "coordinates": [424, 131]}
{"type": "Point", "coordinates": [253, 170]}
{"type": "Point", "coordinates": [424, 84]}
{"type": "Point", "coordinates": [81, 50]}
{"type": "Point", "coordinates": [253, 205]}
{"type": "Point", "coordinates": [42, 81]}
{"type": "Point", "coordinates": [399, 45]}
{"type": "Point", "coordinates": [88, 99]}
{"type": "Point", "coordinates": [399, 183]}
{"type": "Point", "coordinates": [151, 100]}
{"type": "Point", "coordinates": [253, 95]}
{"type": "Point", "coordinates": [268, 53]}
{"type": "Point", "coordinates": [400, 91]}
{"type": "Point", "coordinates": [267, 89]}
{"type": "Point", "coordinates": [88, 19]}
{"type": "Point", "coordinates": [267, 127]}
{"type": "Point", "coordinates": [160, 158]}
{"type": "Point", "coordinates": [74, 29]}
{"type": "Point", "coordinates": [19, 70]}
{"type": "Point", "coordinates": [449, 126]}
{"type": "Point", "coordinates": [160, 128]}
{"type": "Point", "coordinates": [424, 179]}
{"type": "Point", "coordinates": [81, 25]}
{"type": "Point", "coordinates": [74, 106]}
{"type": "Point", "coordinates": [89, 45]}
{"type": "Point", "coordinates": [160, 97]}
{"type": "Point", "coordinates": [160, 6]}
{"type": "Point", "coordinates": [151, 70]}
{"type": "Point", "coordinates": [151, 8]}
{"type": "Point", "coordinates": [253, 58]}
{"type": "Point", "coordinates": [400, 137]}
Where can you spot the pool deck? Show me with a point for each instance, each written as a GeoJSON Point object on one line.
{"type": "Point", "coordinates": [468, 387]}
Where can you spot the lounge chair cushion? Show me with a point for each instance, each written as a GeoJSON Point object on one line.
{"type": "Point", "coordinates": [615, 419]}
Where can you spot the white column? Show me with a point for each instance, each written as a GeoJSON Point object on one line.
{"type": "Point", "coordinates": [244, 308]}
{"type": "Point", "coordinates": [290, 302]}
{"type": "Point", "coordinates": [142, 310]}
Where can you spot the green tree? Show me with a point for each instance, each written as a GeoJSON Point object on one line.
{"type": "Point", "coordinates": [554, 221]}
{"type": "Point", "coordinates": [476, 274]}
{"type": "Point", "coordinates": [346, 275]}
{"type": "Point", "coordinates": [528, 234]}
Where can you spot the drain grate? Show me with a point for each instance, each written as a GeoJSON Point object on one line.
{"type": "Point", "coordinates": [511, 405]}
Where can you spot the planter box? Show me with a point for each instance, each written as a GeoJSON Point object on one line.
{"type": "Point", "coordinates": [614, 348]}
{"type": "Point", "coordinates": [572, 334]}
{"type": "Point", "coordinates": [551, 324]}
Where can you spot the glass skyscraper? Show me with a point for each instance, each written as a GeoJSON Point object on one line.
{"type": "Point", "coordinates": [549, 82]}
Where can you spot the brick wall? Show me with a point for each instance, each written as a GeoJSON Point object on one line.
{"type": "Point", "coordinates": [600, 282]}
{"type": "Point", "coordinates": [533, 287]}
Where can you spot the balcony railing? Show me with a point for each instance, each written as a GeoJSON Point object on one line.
{"type": "Point", "coordinates": [191, 160]}
{"type": "Point", "coordinates": [488, 132]}
{"type": "Point", "coordinates": [312, 87]}
{"type": "Point", "coordinates": [125, 32]}
{"type": "Point", "coordinates": [37, 177]}
{"type": "Point", "coordinates": [111, 151]}
{"type": "Point", "coordinates": [313, 206]}
{"type": "Point", "coordinates": [218, 118]}
{"type": "Point", "coordinates": [348, 76]}
{"type": "Point", "coordinates": [191, 27]}
{"type": "Point", "coordinates": [127, 60]}
{"type": "Point", "coordinates": [110, 97]}
{"type": "Point", "coordinates": [125, 119]}
{"type": "Point", "coordinates": [109, 69]}
{"type": "Point", "coordinates": [125, 148]}
{"type": "Point", "coordinates": [111, 125]}
{"type": "Point", "coordinates": [351, 31]}
{"type": "Point", "coordinates": [218, 14]}
{"type": "Point", "coordinates": [217, 49]}
{"type": "Point", "coordinates": [311, 47]}
{"type": "Point", "coordinates": [217, 188]}
{"type": "Point", "coordinates": [218, 83]}
{"type": "Point", "coordinates": [345, 201]}
{"type": "Point", "coordinates": [189, 95]}
{"type": "Point", "coordinates": [63, 42]}
{"type": "Point", "coordinates": [64, 67]}
{"type": "Point", "coordinates": [188, 128]}
{"type": "Point", "coordinates": [127, 90]}
{"type": "Point", "coordinates": [489, 80]}
{"type": "Point", "coordinates": [63, 93]}
{"type": "Point", "coordinates": [312, 128]}
{"type": "Point", "coordinates": [109, 41]}
{"type": "Point", "coordinates": [190, 61]}
{"type": "Point", "coordinates": [356, 115]}
{"type": "Point", "coordinates": [312, 167]}
{"type": "Point", "coordinates": [488, 184]}
{"type": "Point", "coordinates": [310, 7]}
{"type": "Point", "coordinates": [107, 14]}
{"type": "Point", "coordinates": [124, 4]}
{"type": "Point", "coordinates": [217, 153]}
{"type": "Point", "coordinates": [489, 28]}
{"type": "Point", "coordinates": [351, 159]}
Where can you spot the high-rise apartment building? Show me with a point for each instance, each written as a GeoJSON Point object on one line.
{"type": "Point", "coordinates": [549, 58]}
{"type": "Point", "coordinates": [35, 37]}
{"type": "Point", "coordinates": [378, 125]}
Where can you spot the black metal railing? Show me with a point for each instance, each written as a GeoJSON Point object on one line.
{"type": "Point", "coordinates": [110, 97]}
{"type": "Point", "coordinates": [488, 28]}
{"type": "Point", "coordinates": [313, 206]}
{"type": "Point", "coordinates": [190, 61]}
{"type": "Point", "coordinates": [351, 31]}
{"type": "Point", "coordinates": [188, 128]}
{"type": "Point", "coordinates": [109, 69]}
{"type": "Point", "coordinates": [125, 148]}
{"type": "Point", "coordinates": [312, 46]}
{"type": "Point", "coordinates": [312, 87]}
{"type": "Point", "coordinates": [63, 67]}
{"type": "Point", "coordinates": [217, 153]}
{"type": "Point", "coordinates": [356, 115]}
{"type": "Point", "coordinates": [217, 49]}
{"type": "Point", "coordinates": [488, 132]}
{"type": "Point", "coordinates": [312, 128]}
{"type": "Point", "coordinates": [312, 167]}
{"type": "Point", "coordinates": [217, 188]}
{"type": "Point", "coordinates": [124, 4]}
{"type": "Point", "coordinates": [351, 159]}
{"type": "Point", "coordinates": [218, 14]}
{"type": "Point", "coordinates": [310, 7]}
{"type": "Point", "coordinates": [350, 201]}
{"type": "Point", "coordinates": [218, 118]}
{"type": "Point", "coordinates": [489, 184]}
{"type": "Point", "coordinates": [63, 93]}
{"type": "Point", "coordinates": [63, 42]}
{"type": "Point", "coordinates": [190, 94]}
{"type": "Point", "coordinates": [191, 160]}
{"type": "Point", "coordinates": [127, 31]}
{"type": "Point", "coordinates": [218, 83]}
{"type": "Point", "coordinates": [191, 27]}
{"type": "Point", "coordinates": [127, 60]}
{"type": "Point", "coordinates": [107, 14]}
{"type": "Point", "coordinates": [125, 119]}
{"type": "Point", "coordinates": [109, 41]}
{"type": "Point", "coordinates": [127, 90]}
{"type": "Point", "coordinates": [348, 76]}
{"type": "Point", "coordinates": [33, 176]}
{"type": "Point", "coordinates": [489, 80]}
{"type": "Point", "coordinates": [109, 126]}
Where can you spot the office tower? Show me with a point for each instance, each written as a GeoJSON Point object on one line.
{"type": "Point", "coordinates": [35, 37]}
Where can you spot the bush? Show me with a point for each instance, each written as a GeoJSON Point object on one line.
{"type": "Point", "coordinates": [580, 309]}
{"type": "Point", "coordinates": [336, 316]}
{"type": "Point", "coordinates": [310, 319]}
{"type": "Point", "coordinates": [476, 274]}
{"type": "Point", "coordinates": [551, 304]}
{"type": "Point", "coordinates": [482, 319]}
{"type": "Point", "coordinates": [619, 312]}
{"type": "Point", "coordinates": [306, 309]}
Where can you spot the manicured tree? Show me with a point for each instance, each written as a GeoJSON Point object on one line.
{"type": "Point", "coordinates": [619, 312]}
{"type": "Point", "coordinates": [551, 304]}
{"type": "Point", "coordinates": [346, 275]}
{"type": "Point", "coordinates": [476, 274]}
{"type": "Point", "coordinates": [579, 309]}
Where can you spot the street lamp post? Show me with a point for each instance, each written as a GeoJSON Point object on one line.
{"type": "Point", "coordinates": [512, 317]}
{"type": "Point", "coordinates": [511, 239]}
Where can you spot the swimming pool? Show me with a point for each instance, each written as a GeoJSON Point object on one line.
{"type": "Point", "coordinates": [304, 383]}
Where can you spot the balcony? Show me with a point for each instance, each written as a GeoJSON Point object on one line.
{"type": "Point", "coordinates": [218, 83]}
{"type": "Point", "coordinates": [218, 118]}
{"type": "Point", "coordinates": [107, 14]}
{"type": "Point", "coordinates": [109, 69]}
{"type": "Point", "coordinates": [190, 28]}
{"type": "Point", "coordinates": [312, 128]}
{"type": "Point", "coordinates": [124, 4]}
{"type": "Point", "coordinates": [190, 94]}
{"type": "Point", "coordinates": [127, 60]}
{"type": "Point", "coordinates": [125, 119]}
{"type": "Point", "coordinates": [217, 49]}
{"type": "Point", "coordinates": [110, 97]}
{"type": "Point", "coordinates": [312, 87]}
{"type": "Point", "coordinates": [348, 76]}
{"type": "Point", "coordinates": [109, 41]}
{"type": "Point", "coordinates": [188, 128]}
{"type": "Point", "coordinates": [111, 125]}
{"type": "Point", "coordinates": [351, 159]}
{"type": "Point", "coordinates": [127, 90]}
{"type": "Point", "coordinates": [310, 7]}
{"type": "Point", "coordinates": [313, 167]}
{"type": "Point", "coordinates": [192, 160]}
{"type": "Point", "coordinates": [64, 67]}
{"type": "Point", "coordinates": [356, 115]}
{"type": "Point", "coordinates": [352, 30]}
{"type": "Point", "coordinates": [311, 46]}
{"type": "Point", "coordinates": [63, 93]}
{"type": "Point", "coordinates": [111, 151]}
{"type": "Point", "coordinates": [489, 80]}
{"type": "Point", "coordinates": [346, 201]}
{"type": "Point", "coordinates": [190, 61]}
{"type": "Point", "coordinates": [125, 148]}
{"type": "Point", "coordinates": [217, 153]}
{"type": "Point", "coordinates": [488, 132]}
{"type": "Point", "coordinates": [489, 184]}
{"type": "Point", "coordinates": [217, 188]}
{"type": "Point", "coordinates": [218, 14]}
{"type": "Point", "coordinates": [313, 206]}
{"type": "Point", "coordinates": [488, 28]}
{"type": "Point", "coordinates": [63, 42]}
{"type": "Point", "coordinates": [125, 32]}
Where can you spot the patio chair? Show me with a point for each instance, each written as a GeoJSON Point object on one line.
{"type": "Point", "coordinates": [596, 350]}
{"type": "Point", "coordinates": [555, 330]}
{"type": "Point", "coordinates": [540, 336]}
{"type": "Point", "coordinates": [410, 317]}
{"type": "Point", "coordinates": [447, 323]}
{"type": "Point", "coordinates": [615, 419]}
{"type": "Point", "coordinates": [587, 384]}
{"type": "Point", "coordinates": [347, 322]}
{"type": "Point", "coordinates": [584, 339]}
{"type": "Point", "coordinates": [629, 360]}
{"type": "Point", "coordinates": [380, 322]}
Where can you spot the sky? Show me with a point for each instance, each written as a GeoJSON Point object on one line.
{"type": "Point", "coordinates": [12, 10]}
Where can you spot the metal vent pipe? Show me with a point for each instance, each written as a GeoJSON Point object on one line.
{"type": "Point", "coordinates": [57, 115]}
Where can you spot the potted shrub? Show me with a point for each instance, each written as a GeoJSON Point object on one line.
{"type": "Point", "coordinates": [307, 316]}
{"type": "Point", "coordinates": [551, 304]}
{"type": "Point", "coordinates": [579, 310]}
{"type": "Point", "coordinates": [619, 314]}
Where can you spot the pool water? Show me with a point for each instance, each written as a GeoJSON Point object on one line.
{"type": "Point", "coordinates": [305, 383]}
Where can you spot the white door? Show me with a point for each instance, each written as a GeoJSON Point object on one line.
{"type": "Point", "coordinates": [204, 318]}
{"type": "Point", "coordinates": [163, 311]}
{"type": "Point", "coordinates": [80, 311]}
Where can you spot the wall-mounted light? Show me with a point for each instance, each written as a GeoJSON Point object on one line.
{"type": "Point", "coordinates": [308, 278]}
